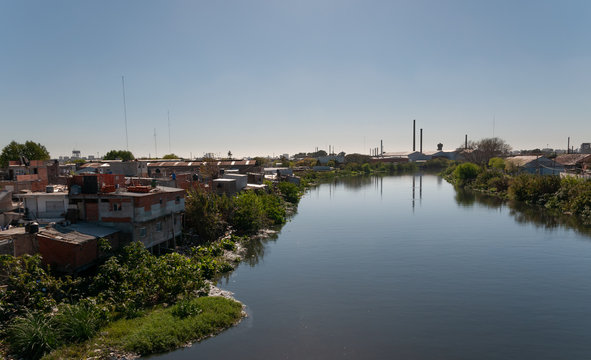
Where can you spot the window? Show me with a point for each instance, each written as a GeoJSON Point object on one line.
{"type": "Point", "coordinates": [177, 200]}
{"type": "Point", "coordinates": [142, 232]}
{"type": "Point", "coordinates": [116, 207]}
{"type": "Point", "coordinates": [159, 226]}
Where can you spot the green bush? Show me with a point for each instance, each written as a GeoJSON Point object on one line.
{"type": "Point", "coordinates": [274, 208]}
{"type": "Point", "coordinates": [32, 335]}
{"type": "Point", "coordinates": [79, 322]}
{"type": "Point", "coordinates": [533, 188]}
{"type": "Point", "coordinates": [29, 287]}
{"type": "Point", "coordinates": [290, 191]}
{"type": "Point", "coordinates": [248, 216]}
{"type": "Point", "coordinates": [207, 213]}
{"type": "Point", "coordinates": [137, 279]}
{"type": "Point", "coordinates": [185, 308]}
{"type": "Point", "coordinates": [465, 173]}
{"type": "Point", "coordinates": [496, 163]}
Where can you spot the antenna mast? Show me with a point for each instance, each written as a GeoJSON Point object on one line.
{"type": "Point", "coordinates": [155, 145]}
{"type": "Point", "coordinates": [494, 119]}
{"type": "Point", "coordinates": [125, 113]}
{"type": "Point", "coordinates": [169, 145]}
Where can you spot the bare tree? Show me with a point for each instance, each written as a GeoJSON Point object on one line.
{"type": "Point", "coordinates": [480, 152]}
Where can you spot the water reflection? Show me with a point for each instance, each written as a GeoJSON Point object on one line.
{"type": "Point", "coordinates": [521, 212]}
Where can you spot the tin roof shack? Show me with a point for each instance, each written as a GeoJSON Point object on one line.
{"type": "Point", "coordinates": [450, 155]}
{"type": "Point", "coordinates": [75, 248]}
{"type": "Point", "coordinates": [46, 206]}
{"type": "Point", "coordinates": [276, 173]}
{"type": "Point", "coordinates": [150, 215]}
{"type": "Point", "coordinates": [241, 179]}
{"type": "Point", "coordinates": [224, 186]}
{"type": "Point", "coordinates": [404, 156]}
{"type": "Point", "coordinates": [575, 163]}
{"type": "Point", "coordinates": [167, 168]}
{"type": "Point", "coordinates": [255, 178]}
{"type": "Point", "coordinates": [535, 165]}
{"type": "Point", "coordinates": [67, 251]}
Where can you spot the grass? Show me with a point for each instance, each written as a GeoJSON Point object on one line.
{"type": "Point", "coordinates": [158, 330]}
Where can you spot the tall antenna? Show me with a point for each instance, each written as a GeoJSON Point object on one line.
{"type": "Point", "coordinates": [494, 118]}
{"type": "Point", "coordinates": [125, 113]}
{"type": "Point", "coordinates": [169, 146]}
{"type": "Point", "coordinates": [155, 145]}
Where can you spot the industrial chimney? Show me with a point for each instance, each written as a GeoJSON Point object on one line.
{"type": "Point", "coordinates": [414, 135]}
{"type": "Point", "coordinates": [421, 146]}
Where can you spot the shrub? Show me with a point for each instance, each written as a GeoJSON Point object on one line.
{"type": "Point", "coordinates": [496, 163]}
{"type": "Point", "coordinates": [32, 335]}
{"type": "Point", "coordinates": [249, 215]}
{"type": "Point", "coordinates": [80, 322]}
{"type": "Point", "coordinates": [206, 213]}
{"type": "Point", "coordinates": [533, 188]}
{"type": "Point", "coordinates": [185, 308]}
{"type": "Point", "coordinates": [290, 191]}
{"type": "Point", "coordinates": [274, 209]}
{"type": "Point", "coordinates": [30, 287]}
{"type": "Point", "coordinates": [465, 173]}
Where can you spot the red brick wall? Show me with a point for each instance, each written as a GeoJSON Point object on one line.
{"type": "Point", "coordinates": [92, 213]}
{"type": "Point", "coordinates": [66, 256]}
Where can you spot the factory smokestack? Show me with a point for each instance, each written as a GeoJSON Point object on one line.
{"type": "Point", "coordinates": [568, 146]}
{"type": "Point", "coordinates": [466, 142]}
{"type": "Point", "coordinates": [381, 147]}
{"type": "Point", "coordinates": [414, 135]}
{"type": "Point", "coordinates": [421, 141]}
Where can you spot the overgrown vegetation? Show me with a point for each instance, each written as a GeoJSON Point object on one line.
{"type": "Point", "coordinates": [41, 312]}
{"type": "Point", "coordinates": [161, 329]}
{"type": "Point", "coordinates": [210, 214]}
{"type": "Point", "coordinates": [568, 195]}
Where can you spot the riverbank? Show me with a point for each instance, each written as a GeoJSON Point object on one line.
{"type": "Point", "coordinates": [136, 303]}
{"type": "Point", "coordinates": [567, 196]}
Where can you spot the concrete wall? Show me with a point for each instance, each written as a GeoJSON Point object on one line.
{"type": "Point", "coordinates": [25, 244]}
{"type": "Point", "coordinates": [224, 186]}
{"type": "Point", "coordinates": [241, 180]}
{"type": "Point", "coordinates": [37, 205]}
{"type": "Point", "coordinates": [158, 231]}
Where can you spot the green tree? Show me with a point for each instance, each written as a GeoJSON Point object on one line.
{"type": "Point", "coordinates": [124, 155]}
{"type": "Point", "coordinates": [170, 156]}
{"type": "Point", "coordinates": [465, 173]}
{"type": "Point", "coordinates": [30, 150]}
{"type": "Point", "coordinates": [357, 158]}
{"type": "Point", "coordinates": [496, 163]}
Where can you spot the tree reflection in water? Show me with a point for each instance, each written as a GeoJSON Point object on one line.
{"type": "Point", "coordinates": [523, 213]}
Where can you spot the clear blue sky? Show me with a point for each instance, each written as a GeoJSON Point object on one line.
{"type": "Point", "coordinates": [270, 77]}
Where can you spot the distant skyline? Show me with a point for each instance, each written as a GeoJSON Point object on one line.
{"type": "Point", "coordinates": [266, 77]}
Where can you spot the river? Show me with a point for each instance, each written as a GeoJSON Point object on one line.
{"type": "Point", "coordinates": [405, 267]}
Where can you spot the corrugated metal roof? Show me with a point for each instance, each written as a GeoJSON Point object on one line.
{"type": "Point", "coordinates": [522, 159]}
{"type": "Point", "coordinates": [572, 159]}
{"type": "Point", "coordinates": [199, 163]}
